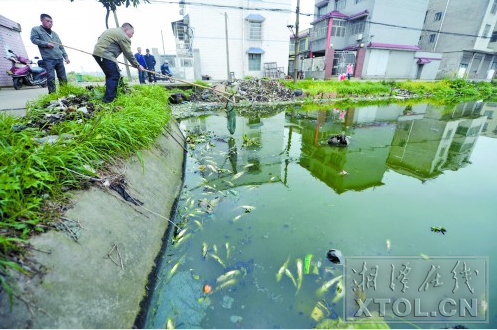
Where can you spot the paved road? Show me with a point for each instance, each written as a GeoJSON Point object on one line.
{"type": "Point", "coordinates": [13, 102]}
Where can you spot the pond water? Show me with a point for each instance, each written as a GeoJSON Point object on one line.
{"type": "Point", "coordinates": [274, 193]}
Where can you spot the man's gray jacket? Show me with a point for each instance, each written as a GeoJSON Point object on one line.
{"type": "Point", "coordinates": [41, 38]}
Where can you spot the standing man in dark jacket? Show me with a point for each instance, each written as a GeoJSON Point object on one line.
{"type": "Point", "coordinates": [51, 50]}
{"type": "Point", "coordinates": [142, 75]}
{"type": "Point", "coordinates": [109, 46]}
{"type": "Point", "coordinates": [150, 61]}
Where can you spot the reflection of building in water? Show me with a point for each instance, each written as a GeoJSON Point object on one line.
{"type": "Point", "coordinates": [231, 154]}
{"type": "Point", "coordinates": [443, 139]}
{"type": "Point", "coordinates": [364, 158]}
{"type": "Point", "coordinates": [489, 109]}
{"type": "Point", "coordinates": [418, 140]}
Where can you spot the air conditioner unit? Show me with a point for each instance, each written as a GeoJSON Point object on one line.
{"type": "Point", "coordinates": [359, 37]}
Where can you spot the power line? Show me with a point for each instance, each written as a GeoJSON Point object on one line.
{"type": "Point", "coordinates": [429, 30]}
{"type": "Point", "coordinates": [293, 12]}
{"type": "Point", "coordinates": [289, 11]}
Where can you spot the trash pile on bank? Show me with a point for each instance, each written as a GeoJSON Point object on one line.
{"type": "Point", "coordinates": [251, 90]}
{"type": "Point", "coordinates": [69, 108]}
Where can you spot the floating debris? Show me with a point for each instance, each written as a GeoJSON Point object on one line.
{"type": "Point", "coordinates": [438, 230]}
{"type": "Point", "coordinates": [207, 288]}
{"type": "Point", "coordinates": [169, 323]}
{"type": "Point", "coordinates": [307, 263]}
{"type": "Point", "coordinates": [236, 319]}
{"type": "Point", "coordinates": [247, 208]}
{"type": "Point", "coordinates": [320, 311]}
{"type": "Point", "coordinates": [335, 256]}
{"type": "Point", "coordinates": [227, 302]}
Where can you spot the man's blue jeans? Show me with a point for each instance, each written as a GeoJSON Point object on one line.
{"type": "Point", "coordinates": [142, 76]}
{"type": "Point", "coordinates": [112, 77]}
{"type": "Point", "coordinates": [53, 66]}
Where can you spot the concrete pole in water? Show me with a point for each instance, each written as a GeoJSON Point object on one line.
{"type": "Point", "coordinates": [227, 48]}
{"type": "Point", "coordinates": [125, 60]}
{"type": "Point", "coordinates": [296, 48]}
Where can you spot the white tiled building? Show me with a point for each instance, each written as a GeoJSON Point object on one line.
{"type": "Point", "coordinates": [257, 34]}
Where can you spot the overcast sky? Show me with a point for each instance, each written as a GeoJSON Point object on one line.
{"type": "Point", "coordinates": [81, 22]}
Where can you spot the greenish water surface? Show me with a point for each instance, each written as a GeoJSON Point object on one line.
{"type": "Point", "coordinates": [275, 191]}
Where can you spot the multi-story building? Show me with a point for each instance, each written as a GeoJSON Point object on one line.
{"type": "Point", "coordinates": [380, 37]}
{"type": "Point", "coordinates": [303, 50]}
{"type": "Point", "coordinates": [233, 37]}
{"type": "Point", "coordinates": [464, 32]}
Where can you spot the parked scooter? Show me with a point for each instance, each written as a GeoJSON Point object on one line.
{"type": "Point", "coordinates": [23, 73]}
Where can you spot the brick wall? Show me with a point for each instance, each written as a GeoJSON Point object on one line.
{"type": "Point", "coordinates": [10, 37]}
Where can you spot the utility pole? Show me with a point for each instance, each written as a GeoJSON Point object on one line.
{"type": "Point", "coordinates": [125, 60]}
{"type": "Point", "coordinates": [227, 48]}
{"type": "Point", "coordinates": [296, 49]}
{"type": "Point", "coordinates": [163, 48]}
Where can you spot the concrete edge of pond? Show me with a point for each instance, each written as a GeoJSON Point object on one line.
{"type": "Point", "coordinates": [79, 285]}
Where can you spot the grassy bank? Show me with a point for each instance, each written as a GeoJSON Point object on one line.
{"type": "Point", "coordinates": [57, 148]}
{"type": "Point", "coordinates": [443, 89]}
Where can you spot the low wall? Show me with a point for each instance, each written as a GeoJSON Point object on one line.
{"type": "Point", "coordinates": [78, 285]}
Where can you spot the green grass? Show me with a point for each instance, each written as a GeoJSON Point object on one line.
{"type": "Point", "coordinates": [341, 88]}
{"type": "Point", "coordinates": [33, 176]}
{"type": "Point", "coordinates": [456, 89]}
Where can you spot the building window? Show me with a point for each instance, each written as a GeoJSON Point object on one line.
{"type": "Point", "coordinates": [489, 114]}
{"type": "Point", "coordinates": [255, 30]}
{"type": "Point", "coordinates": [338, 28]}
{"type": "Point", "coordinates": [320, 30]}
{"type": "Point", "coordinates": [302, 43]}
{"type": "Point", "coordinates": [292, 45]}
{"type": "Point", "coordinates": [486, 30]}
{"type": "Point", "coordinates": [426, 15]}
{"type": "Point", "coordinates": [322, 11]}
{"type": "Point", "coordinates": [438, 16]}
{"type": "Point", "coordinates": [254, 62]}
{"type": "Point", "coordinates": [357, 27]}
{"type": "Point", "coordinates": [187, 63]}
{"type": "Point", "coordinates": [493, 38]}
{"type": "Point", "coordinates": [432, 38]}
{"type": "Point", "coordinates": [340, 4]}
{"type": "Point", "coordinates": [494, 7]}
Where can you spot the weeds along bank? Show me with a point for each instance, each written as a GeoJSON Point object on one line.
{"type": "Point", "coordinates": [85, 192]}
{"type": "Point", "coordinates": [437, 90]}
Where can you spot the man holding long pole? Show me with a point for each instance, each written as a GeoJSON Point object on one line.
{"type": "Point", "coordinates": [109, 46]}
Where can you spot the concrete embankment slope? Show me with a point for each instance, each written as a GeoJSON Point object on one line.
{"type": "Point", "coordinates": [81, 287]}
